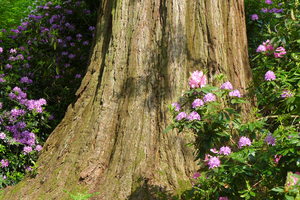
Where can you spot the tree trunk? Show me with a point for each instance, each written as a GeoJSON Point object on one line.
{"type": "Point", "coordinates": [111, 140]}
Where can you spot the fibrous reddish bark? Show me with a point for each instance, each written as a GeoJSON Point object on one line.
{"type": "Point", "coordinates": [111, 140]}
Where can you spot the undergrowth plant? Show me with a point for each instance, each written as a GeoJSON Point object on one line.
{"type": "Point", "coordinates": [42, 62]}
{"type": "Point", "coordinates": [238, 159]}
{"type": "Point", "coordinates": [257, 157]}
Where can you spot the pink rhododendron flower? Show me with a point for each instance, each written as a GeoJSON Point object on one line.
{"type": "Point", "coordinates": [197, 103]}
{"type": "Point", "coordinates": [196, 175]}
{"type": "Point", "coordinates": [286, 94]}
{"type": "Point", "coordinates": [1, 49]}
{"type": "Point", "coordinates": [176, 106]}
{"type": "Point", "coordinates": [27, 149]}
{"type": "Point", "coordinates": [244, 141]}
{"type": "Point", "coordinates": [4, 163]}
{"type": "Point", "coordinates": [268, 2]}
{"type": "Point", "coordinates": [235, 93]}
{"type": "Point", "coordinates": [268, 45]}
{"type": "Point", "coordinates": [193, 116]}
{"type": "Point", "coordinates": [270, 140]}
{"type": "Point", "coordinates": [254, 17]}
{"type": "Point", "coordinates": [225, 150]}
{"type": "Point", "coordinates": [295, 179]}
{"type": "Point", "coordinates": [265, 46]}
{"type": "Point", "coordinates": [214, 150]}
{"type": "Point", "coordinates": [277, 158]}
{"type": "Point", "coordinates": [209, 97]}
{"type": "Point", "coordinates": [181, 116]}
{"type": "Point", "coordinates": [38, 148]}
{"type": "Point", "coordinates": [261, 48]}
{"type": "Point", "coordinates": [197, 79]}
{"type": "Point", "coordinates": [214, 162]}
{"type": "Point", "coordinates": [226, 86]}
{"type": "Point", "coordinates": [279, 52]}
{"type": "Point", "coordinates": [270, 76]}
{"type": "Point", "coordinates": [2, 136]}
{"type": "Point", "coordinates": [223, 198]}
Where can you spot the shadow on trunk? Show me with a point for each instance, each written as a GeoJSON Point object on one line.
{"type": "Point", "coordinates": [152, 192]}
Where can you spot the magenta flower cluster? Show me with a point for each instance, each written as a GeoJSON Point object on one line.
{"type": "Point", "coordinates": [197, 79]}
{"type": "Point", "coordinates": [48, 49]}
{"type": "Point", "coordinates": [244, 141]}
{"type": "Point", "coordinates": [268, 48]}
{"type": "Point", "coordinates": [270, 76]}
{"type": "Point", "coordinates": [286, 94]}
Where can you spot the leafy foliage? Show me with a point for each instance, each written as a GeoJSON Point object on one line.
{"type": "Point", "coordinates": [42, 62]}
{"type": "Point", "coordinates": [258, 158]}
{"type": "Point", "coordinates": [12, 11]}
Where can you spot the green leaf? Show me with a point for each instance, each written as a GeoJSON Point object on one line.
{"type": "Point", "coordinates": [278, 189]}
{"type": "Point", "coordinates": [170, 127]}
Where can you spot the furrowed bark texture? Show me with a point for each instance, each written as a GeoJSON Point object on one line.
{"type": "Point", "coordinates": [111, 140]}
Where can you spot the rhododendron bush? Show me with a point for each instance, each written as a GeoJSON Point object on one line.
{"type": "Point", "coordinates": [237, 158]}
{"type": "Point", "coordinates": [254, 155]}
{"type": "Point", "coordinates": [42, 62]}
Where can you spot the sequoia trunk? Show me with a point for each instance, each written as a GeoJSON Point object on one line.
{"type": "Point", "coordinates": [111, 140]}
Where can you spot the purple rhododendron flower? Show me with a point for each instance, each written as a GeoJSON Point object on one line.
{"type": "Point", "coordinates": [38, 148]}
{"type": "Point", "coordinates": [209, 97]}
{"type": "Point", "coordinates": [8, 66]}
{"type": "Point", "coordinates": [20, 57]}
{"type": "Point", "coordinates": [225, 150]}
{"type": "Point", "coordinates": [197, 103]}
{"type": "Point", "coordinates": [25, 79]}
{"type": "Point", "coordinates": [1, 49]}
{"type": "Point", "coordinates": [27, 149]}
{"type": "Point", "coordinates": [254, 17]}
{"type": "Point", "coordinates": [4, 163]}
{"type": "Point", "coordinates": [244, 141]}
{"type": "Point", "coordinates": [286, 94]}
{"type": "Point", "coordinates": [36, 105]}
{"type": "Point", "coordinates": [196, 175]}
{"type": "Point", "coordinates": [181, 116]}
{"type": "Point", "coordinates": [2, 136]}
{"type": "Point", "coordinates": [277, 158]}
{"type": "Point", "coordinates": [261, 48]}
{"type": "Point", "coordinates": [197, 79]}
{"type": "Point", "coordinates": [17, 112]}
{"type": "Point", "coordinates": [28, 168]}
{"type": "Point", "coordinates": [270, 76]}
{"type": "Point", "coordinates": [176, 106]}
{"type": "Point", "coordinates": [223, 198]}
{"type": "Point", "coordinates": [268, 2]}
{"type": "Point", "coordinates": [71, 56]}
{"type": "Point", "coordinates": [226, 86]}
{"type": "Point", "coordinates": [193, 116]}
{"type": "Point", "coordinates": [266, 46]}
{"type": "Point", "coordinates": [78, 76]}
{"type": "Point", "coordinates": [91, 28]}
{"type": "Point", "coordinates": [214, 150]}
{"type": "Point", "coordinates": [235, 93]}
{"type": "Point", "coordinates": [69, 12]}
{"type": "Point", "coordinates": [270, 140]}
{"type": "Point", "coordinates": [214, 162]}
{"type": "Point", "coordinates": [279, 52]}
